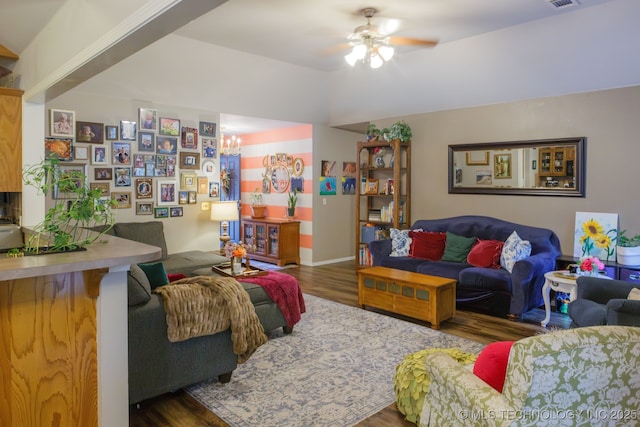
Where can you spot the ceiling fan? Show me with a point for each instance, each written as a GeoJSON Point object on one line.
{"type": "Point", "coordinates": [372, 45]}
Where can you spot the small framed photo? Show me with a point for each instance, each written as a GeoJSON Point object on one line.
{"type": "Point", "coordinates": [123, 176]}
{"type": "Point", "coordinates": [161, 212]}
{"type": "Point", "coordinates": [144, 208]}
{"type": "Point", "coordinates": [69, 176]}
{"type": "Point", "coordinates": [189, 138]}
{"type": "Point", "coordinates": [167, 192]}
{"type": "Point", "coordinates": [62, 148]}
{"type": "Point", "coordinates": [148, 119]}
{"type": "Point", "coordinates": [81, 152]}
{"type": "Point", "coordinates": [372, 186]}
{"type": "Point", "coordinates": [128, 130]}
{"type": "Point", "coordinates": [111, 132]}
{"type": "Point", "coordinates": [62, 123]}
{"type": "Point", "coordinates": [169, 127]}
{"type": "Point", "coordinates": [144, 188]}
{"type": "Point", "coordinates": [208, 129]}
{"type": "Point", "coordinates": [214, 189]}
{"type": "Point", "coordinates": [176, 211]}
{"type": "Point", "coordinates": [209, 168]}
{"type": "Point", "coordinates": [209, 148]}
{"type": "Point", "coordinates": [183, 197]}
{"type": "Point", "coordinates": [146, 141]}
{"type": "Point", "coordinates": [104, 187]}
{"type": "Point", "coordinates": [89, 132]}
{"type": "Point", "coordinates": [122, 199]}
{"type": "Point", "coordinates": [188, 181]}
{"type": "Point", "coordinates": [203, 185]}
{"type": "Point", "coordinates": [121, 153]}
{"type": "Point", "coordinates": [99, 155]}
{"type": "Point", "coordinates": [189, 160]}
{"type": "Point", "coordinates": [192, 197]}
{"type": "Point", "coordinates": [167, 145]}
{"type": "Point", "coordinates": [103, 174]}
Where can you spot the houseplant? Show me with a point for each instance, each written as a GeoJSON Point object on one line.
{"type": "Point", "coordinates": [628, 249]}
{"type": "Point", "coordinates": [372, 133]}
{"type": "Point", "coordinates": [400, 130]}
{"type": "Point", "coordinates": [66, 225]}
{"type": "Point", "coordinates": [257, 206]}
{"type": "Point", "coordinates": [292, 199]}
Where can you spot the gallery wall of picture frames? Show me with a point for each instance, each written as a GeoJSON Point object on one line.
{"type": "Point", "coordinates": [151, 164]}
{"type": "Point", "coordinates": [282, 173]}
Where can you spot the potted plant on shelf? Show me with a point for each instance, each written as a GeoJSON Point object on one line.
{"type": "Point", "coordinates": [372, 133]}
{"type": "Point", "coordinates": [257, 206]}
{"type": "Point", "coordinates": [400, 130]}
{"type": "Point", "coordinates": [628, 249]}
{"type": "Point", "coordinates": [291, 203]}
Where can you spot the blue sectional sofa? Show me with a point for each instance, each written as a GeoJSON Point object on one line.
{"type": "Point", "coordinates": [488, 290]}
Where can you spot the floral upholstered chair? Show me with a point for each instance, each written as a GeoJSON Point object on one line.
{"type": "Point", "coordinates": [577, 377]}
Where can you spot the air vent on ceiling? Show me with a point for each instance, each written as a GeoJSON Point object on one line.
{"type": "Point", "coordinates": [561, 4]}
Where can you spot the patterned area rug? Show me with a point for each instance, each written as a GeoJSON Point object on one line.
{"type": "Point", "coordinates": [336, 369]}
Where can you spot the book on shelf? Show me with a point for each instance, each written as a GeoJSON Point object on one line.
{"type": "Point", "coordinates": [364, 256]}
{"type": "Point", "coordinates": [375, 215]}
{"type": "Point", "coordinates": [389, 187]}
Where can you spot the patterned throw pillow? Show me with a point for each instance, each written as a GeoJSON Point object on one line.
{"type": "Point", "coordinates": [514, 250]}
{"type": "Point", "coordinates": [400, 242]}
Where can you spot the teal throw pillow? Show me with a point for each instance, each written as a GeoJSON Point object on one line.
{"type": "Point", "coordinates": [456, 248]}
{"type": "Point", "coordinates": [156, 273]}
{"type": "Point", "coordinates": [138, 286]}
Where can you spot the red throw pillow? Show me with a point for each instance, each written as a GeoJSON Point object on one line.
{"type": "Point", "coordinates": [427, 245]}
{"type": "Point", "coordinates": [491, 364]}
{"type": "Point", "coordinates": [486, 253]}
{"type": "Point", "coordinates": [176, 276]}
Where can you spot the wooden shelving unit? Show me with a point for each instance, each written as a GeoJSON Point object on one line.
{"type": "Point", "coordinates": [272, 240]}
{"type": "Point", "coordinates": [387, 205]}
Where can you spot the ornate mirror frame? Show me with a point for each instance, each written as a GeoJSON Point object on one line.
{"type": "Point", "coordinates": [549, 167]}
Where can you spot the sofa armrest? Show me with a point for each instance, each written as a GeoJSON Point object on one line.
{"type": "Point", "coordinates": [602, 290]}
{"type": "Point", "coordinates": [527, 279]}
{"type": "Point", "coordinates": [623, 312]}
{"type": "Point", "coordinates": [379, 249]}
{"type": "Point", "coordinates": [457, 397]}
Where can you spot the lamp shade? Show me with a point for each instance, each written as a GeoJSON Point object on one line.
{"type": "Point", "coordinates": [224, 211]}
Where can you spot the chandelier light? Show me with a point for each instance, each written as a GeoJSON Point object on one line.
{"type": "Point", "coordinates": [230, 146]}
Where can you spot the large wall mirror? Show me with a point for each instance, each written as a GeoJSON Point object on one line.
{"type": "Point", "coordinates": [550, 167]}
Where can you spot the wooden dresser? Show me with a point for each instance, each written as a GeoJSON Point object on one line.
{"type": "Point", "coordinates": [272, 240]}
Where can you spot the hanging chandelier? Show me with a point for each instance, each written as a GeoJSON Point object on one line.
{"type": "Point", "coordinates": [230, 146]}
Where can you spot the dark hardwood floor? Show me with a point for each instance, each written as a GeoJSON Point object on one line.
{"type": "Point", "coordinates": [338, 282]}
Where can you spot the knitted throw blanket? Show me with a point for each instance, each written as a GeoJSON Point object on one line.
{"type": "Point", "coordinates": [205, 305]}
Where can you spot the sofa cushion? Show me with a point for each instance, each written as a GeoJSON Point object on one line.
{"type": "Point", "coordinates": [491, 364]}
{"type": "Point", "coordinates": [486, 253]}
{"type": "Point", "coordinates": [427, 245]}
{"type": "Point", "coordinates": [188, 261]}
{"type": "Point", "coordinates": [151, 233]}
{"type": "Point", "coordinates": [584, 312]}
{"type": "Point", "coordinates": [457, 247]}
{"type": "Point", "coordinates": [400, 242]}
{"type": "Point", "coordinates": [450, 270]}
{"type": "Point", "coordinates": [138, 286]}
{"type": "Point", "coordinates": [514, 250]}
{"type": "Point", "coordinates": [155, 272]}
{"type": "Point", "coordinates": [403, 263]}
{"type": "Point", "coordinates": [484, 279]}
{"type": "Point", "coordinates": [175, 276]}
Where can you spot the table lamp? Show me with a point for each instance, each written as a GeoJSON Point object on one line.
{"type": "Point", "coordinates": [223, 212]}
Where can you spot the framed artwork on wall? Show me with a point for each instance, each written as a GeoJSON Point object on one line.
{"type": "Point", "coordinates": [69, 175]}
{"type": "Point", "coordinates": [123, 199]}
{"type": "Point", "coordinates": [167, 145]}
{"type": "Point", "coordinates": [103, 174]}
{"type": "Point", "coordinates": [123, 176]}
{"type": "Point", "coordinates": [128, 130]}
{"type": "Point", "coordinates": [62, 123]}
{"type": "Point", "coordinates": [104, 187]}
{"type": "Point", "coordinates": [146, 141]}
{"type": "Point", "coordinates": [121, 153]}
{"type": "Point", "coordinates": [144, 208]}
{"type": "Point", "coordinates": [111, 133]}
{"type": "Point", "coordinates": [167, 192]}
{"type": "Point", "coordinates": [188, 181]}
{"type": "Point", "coordinates": [144, 188]}
{"type": "Point", "coordinates": [89, 132]}
{"type": "Point", "coordinates": [148, 119]}
{"type": "Point", "coordinates": [189, 138]}
{"type": "Point", "coordinates": [169, 127]}
{"type": "Point", "coordinates": [62, 148]}
{"type": "Point", "coordinates": [189, 160]}
{"type": "Point", "coordinates": [183, 197]}
{"type": "Point", "coordinates": [161, 212]}
{"type": "Point", "coordinates": [209, 148]}
{"type": "Point", "coordinates": [208, 129]}
{"type": "Point", "coordinates": [81, 152]}
{"type": "Point", "coordinates": [176, 211]}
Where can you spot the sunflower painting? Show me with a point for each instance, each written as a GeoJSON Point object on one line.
{"type": "Point", "coordinates": [595, 235]}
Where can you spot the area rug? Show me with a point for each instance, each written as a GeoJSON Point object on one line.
{"type": "Point", "coordinates": [336, 369]}
{"type": "Point", "coordinates": [270, 267]}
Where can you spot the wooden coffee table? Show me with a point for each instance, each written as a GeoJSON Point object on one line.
{"type": "Point", "coordinates": [416, 295]}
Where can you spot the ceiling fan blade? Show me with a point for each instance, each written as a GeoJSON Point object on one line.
{"type": "Point", "coordinates": [336, 49]}
{"type": "Point", "coordinates": [407, 41]}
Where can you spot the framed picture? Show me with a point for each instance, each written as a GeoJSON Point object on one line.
{"type": "Point", "coordinates": [146, 141]}
{"type": "Point", "coordinates": [104, 187]}
{"type": "Point", "coordinates": [89, 132]}
{"type": "Point", "coordinates": [502, 166]}
{"type": "Point", "coordinates": [148, 119]}
{"type": "Point", "coordinates": [207, 129]}
{"type": "Point", "coordinates": [183, 197]}
{"type": "Point", "coordinates": [214, 189]}
{"type": "Point", "coordinates": [209, 168]}
{"type": "Point", "coordinates": [128, 130]}
{"type": "Point", "coordinates": [167, 145]}
{"type": "Point", "coordinates": [188, 181]}
{"type": "Point", "coordinates": [480, 158]}
{"type": "Point", "coordinates": [189, 160]}
{"type": "Point", "coordinates": [111, 133]}
{"type": "Point", "coordinates": [167, 192]}
{"type": "Point", "coordinates": [103, 174]}
{"type": "Point", "coordinates": [298, 167]}
{"type": "Point", "coordinates": [67, 177]}
{"type": "Point", "coordinates": [122, 199]}
{"type": "Point", "coordinates": [189, 138]}
{"type": "Point", "coordinates": [203, 185]}
{"type": "Point", "coordinates": [121, 153]}
{"type": "Point", "coordinates": [192, 197]}
{"type": "Point", "coordinates": [62, 148]}
{"type": "Point", "coordinates": [123, 176]}
{"type": "Point", "coordinates": [161, 212]}
{"type": "Point", "coordinates": [175, 211]}
{"type": "Point", "coordinates": [209, 148]}
{"type": "Point", "coordinates": [169, 127]}
{"type": "Point", "coordinates": [144, 188]}
{"type": "Point", "coordinates": [144, 208]}
{"type": "Point", "coordinates": [99, 155]}
{"type": "Point", "coordinates": [62, 123]}
{"type": "Point", "coordinates": [80, 152]}
{"type": "Point", "coordinates": [372, 186]}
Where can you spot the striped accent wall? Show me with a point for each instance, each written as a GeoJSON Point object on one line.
{"type": "Point", "coordinates": [296, 141]}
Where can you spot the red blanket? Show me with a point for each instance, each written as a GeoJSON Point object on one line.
{"type": "Point", "coordinates": [285, 291]}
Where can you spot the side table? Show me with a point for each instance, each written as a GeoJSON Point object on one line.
{"type": "Point", "coordinates": [559, 281]}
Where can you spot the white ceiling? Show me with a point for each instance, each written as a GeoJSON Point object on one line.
{"type": "Point", "coordinates": [301, 31]}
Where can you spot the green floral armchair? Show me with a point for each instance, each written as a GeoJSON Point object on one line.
{"type": "Point", "coordinates": [577, 377]}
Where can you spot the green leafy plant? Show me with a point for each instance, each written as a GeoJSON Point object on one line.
{"type": "Point", "coordinates": [400, 130]}
{"type": "Point", "coordinates": [626, 241]}
{"type": "Point", "coordinates": [66, 225]}
{"type": "Point", "coordinates": [292, 199]}
{"type": "Point", "coordinates": [255, 198]}
{"type": "Point", "coordinates": [372, 131]}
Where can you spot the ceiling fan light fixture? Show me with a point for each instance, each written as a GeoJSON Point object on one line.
{"type": "Point", "coordinates": [386, 52]}
{"type": "Point", "coordinates": [375, 61]}
{"type": "Point", "coordinates": [360, 51]}
{"type": "Point", "coordinates": [351, 58]}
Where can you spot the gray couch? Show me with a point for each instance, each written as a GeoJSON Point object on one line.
{"type": "Point", "coordinates": [604, 302]}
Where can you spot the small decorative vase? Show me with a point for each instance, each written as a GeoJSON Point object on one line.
{"type": "Point", "coordinates": [291, 212]}
{"type": "Point", "coordinates": [236, 265]}
{"type": "Point", "coordinates": [379, 160]}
